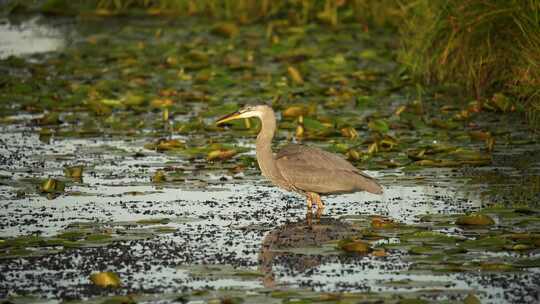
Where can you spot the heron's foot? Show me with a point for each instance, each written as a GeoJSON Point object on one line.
{"type": "Point", "coordinates": [313, 197]}
{"type": "Point", "coordinates": [319, 213]}
{"type": "Point", "coordinates": [309, 218]}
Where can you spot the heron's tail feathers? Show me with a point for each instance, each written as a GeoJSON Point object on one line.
{"type": "Point", "coordinates": [370, 185]}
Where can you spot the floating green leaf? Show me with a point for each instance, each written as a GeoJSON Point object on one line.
{"type": "Point", "coordinates": [52, 185]}
{"type": "Point", "coordinates": [105, 279]}
{"type": "Point", "coordinates": [475, 220]}
{"type": "Point", "coordinates": [379, 125]}
{"type": "Point", "coordinates": [74, 172]}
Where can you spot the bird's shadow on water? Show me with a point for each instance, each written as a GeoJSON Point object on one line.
{"type": "Point", "coordinates": [298, 246]}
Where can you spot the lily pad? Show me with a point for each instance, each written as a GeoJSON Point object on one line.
{"type": "Point", "coordinates": [355, 246]}
{"type": "Point", "coordinates": [166, 145]}
{"type": "Point", "coordinates": [379, 125]}
{"type": "Point", "coordinates": [105, 279]}
{"type": "Point", "coordinates": [159, 177]}
{"type": "Point", "coordinates": [383, 223]}
{"type": "Point", "coordinates": [475, 220]}
{"type": "Point", "coordinates": [226, 29]}
{"type": "Point", "coordinates": [74, 172]}
{"type": "Point", "coordinates": [52, 185]}
{"type": "Point", "coordinates": [221, 154]}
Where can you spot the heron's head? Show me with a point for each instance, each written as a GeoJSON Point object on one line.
{"type": "Point", "coordinates": [245, 112]}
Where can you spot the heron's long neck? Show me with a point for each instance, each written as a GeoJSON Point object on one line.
{"type": "Point", "coordinates": [265, 158]}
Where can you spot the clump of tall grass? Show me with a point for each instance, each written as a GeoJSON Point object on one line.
{"type": "Point", "coordinates": [487, 46]}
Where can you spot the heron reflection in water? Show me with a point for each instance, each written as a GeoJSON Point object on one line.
{"type": "Point", "coordinates": [309, 171]}
{"type": "Point", "coordinates": [278, 246]}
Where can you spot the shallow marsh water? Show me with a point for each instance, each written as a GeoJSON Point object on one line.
{"type": "Point", "coordinates": [216, 230]}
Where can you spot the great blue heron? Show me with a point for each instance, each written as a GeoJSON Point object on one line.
{"type": "Point", "coordinates": [307, 170]}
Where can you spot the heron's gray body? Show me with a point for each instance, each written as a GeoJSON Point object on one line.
{"type": "Point", "coordinates": [307, 169]}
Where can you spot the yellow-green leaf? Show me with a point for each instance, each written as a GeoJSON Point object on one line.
{"type": "Point", "coordinates": [105, 279]}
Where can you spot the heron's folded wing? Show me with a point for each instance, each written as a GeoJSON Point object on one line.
{"type": "Point", "coordinates": [316, 158]}
{"type": "Point", "coordinates": [313, 169]}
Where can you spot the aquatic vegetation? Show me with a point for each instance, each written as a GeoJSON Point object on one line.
{"type": "Point", "coordinates": [170, 201]}
{"type": "Point", "coordinates": [105, 279]}
{"type": "Point", "coordinates": [52, 186]}
{"type": "Point", "coordinates": [74, 172]}
{"type": "Point", "coordinates": [354, 246]}
{"type": "Point", "coordinates": [487, 47]}
{"type": "Point", "coordinates": [475, 220]}
{"type": "Point", "coordinates": [82, 235]}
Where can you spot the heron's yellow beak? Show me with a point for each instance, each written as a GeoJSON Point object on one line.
{"type": "Point", "coordinates": [229, 117]}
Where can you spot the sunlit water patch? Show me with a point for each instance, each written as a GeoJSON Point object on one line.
{"type": "Point", "coordinates": [30, 37]}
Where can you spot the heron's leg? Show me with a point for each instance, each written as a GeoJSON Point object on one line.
{"type": "Point", "coordinates": [318, 201]}
{"type": "Point", "coordinates": [309, 201]}
{"type": "Point", "coordinates": [309, 218]}
{"type": "Point", "coordinates": [320, 205]}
